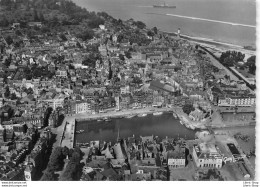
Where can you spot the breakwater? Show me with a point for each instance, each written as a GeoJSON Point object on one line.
{"type": "Point", "coordinates": [210, 20]}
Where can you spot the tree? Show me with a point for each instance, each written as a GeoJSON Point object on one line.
{"type": "Point", "coordinates": [13, 96]}
{"type": "Point", "coordinates": [75, 157]}
{"type": "Point", "coordinates": [140, 24]}
{"type": "Point", "coordinates": [128, 54]}
{"type": "Point", "coordinates": [73, 168]}
{"type": "Point", "coordinates": [150, 33]}
{"type": "Point", "coordinates": [4, 22]}
{"type": "Point", "coordinates": [35, 15]}
{"type": "Point", "coordinates": [90, 60]}
{"type": "Point", "coordinates": [94, 23]}
{"type": "Point", "coordinates": [63, 37]}
{"type": "Point", "coordinates": [230, 58]}
{"type": "Point", "coordinates": [121, 57]}
{"type": "Point", "coordinates": [56, 159]}
{"type": "Point", "coordinates": [41, 17]}
{"type": "Point", "coordinates": [7, 92]}
{"type": "Point", "coordinates": [46, 116]}
{"type": "Point", "coordinates": [188, 108]}
{"type": "Point", "coordinates": [7, 62]}
{"type": "Point", "coordinates": [48, 175]}
{"type": "Point", "coordinates": [65, 151]}
{"type": "Point", "coordinates": [155, 30]}
{"type": "Point", "coordinates": [251, 64]}
{"type": "Point", "coordinates": [69, 172]}
{"type": "Point", "coordinates": [29, 91]}
{"type": "Point", "coordinates": [86, 34]}
{"type": "Point", "coordinates": [9, 40]}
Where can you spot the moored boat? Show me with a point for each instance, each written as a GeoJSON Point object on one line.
{"type": "Point", "coordinates": [157, 113]}
{"type": "Point", "coordinates": [131, 116]}
{"type": "Point", "coordinates": [142, 115]}
{"type": "Point", "coordinates": [107, 119]}
{"type": "Point", "coordinates": [174, 115]}
{"type": "Point", "coordinates": [79, 131]}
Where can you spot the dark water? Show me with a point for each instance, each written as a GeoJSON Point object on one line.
{"type": "Point", "coordinates": [243, 117]}
{"type": "Point", "coordinates": [161, 126]}
{"type": "Point", "coordinates": [235, 11]}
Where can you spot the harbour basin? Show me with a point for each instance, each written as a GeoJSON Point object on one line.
{"type": "Point", "coordinates": [161, 126]}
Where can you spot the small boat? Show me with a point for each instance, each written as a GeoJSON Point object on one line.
{"type": "Point", "coordinates": [131, 116]}
{"type": "Point", "coordinates": [181, 122]}
{"type": "Point", "coordinates": [157, 113]}
{"type": "Point", "coordinates": [142, 115]}
{"type": "Point", "coordinates": [174, 115]}
{"type": "Point", "coordinates": [107, 119]}
{"type": "Point", "coordinates": [99, 120]}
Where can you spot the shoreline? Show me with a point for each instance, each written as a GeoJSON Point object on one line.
{"type": "Point", "coordinates": [119, 114]}
{"type": "Point", "coordinates": [67, 134]}
{"type": "Point", "coordinates": [208, 42]}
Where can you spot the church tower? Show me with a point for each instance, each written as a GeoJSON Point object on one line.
{"type": "Point", "coordinates": [28, 169]}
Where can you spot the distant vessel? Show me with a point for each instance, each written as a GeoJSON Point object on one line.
{"type": "Point", "coordinates": [157, 113]}
{"type": "Point", "coordinates": [164, 5]}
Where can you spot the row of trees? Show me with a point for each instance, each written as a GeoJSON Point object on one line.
{"type": "Point", "coordinates": [56, 163]}
{"type": "Point", "coordinates": [74, 168]}
{"type": "Point", "coordinates": [230, 58]}
{"type": "Point", "coordinates": [251, 64]}
{"type": "Point", "coordinates": [86, 34]}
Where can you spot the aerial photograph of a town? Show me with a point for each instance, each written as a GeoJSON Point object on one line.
{"type": "Point", "coordinates": [127, 90]}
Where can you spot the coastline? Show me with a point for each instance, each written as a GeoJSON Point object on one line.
{"type": "Point", "coordinates": [217, 46]}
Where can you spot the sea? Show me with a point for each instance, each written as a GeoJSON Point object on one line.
{"type": "Point", "coordinates": [227, 21]}
{"type": "Point", "coordinates": [161, 126]}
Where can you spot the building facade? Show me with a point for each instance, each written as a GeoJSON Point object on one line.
{"type": "Point", "coordinates": [207, 155]}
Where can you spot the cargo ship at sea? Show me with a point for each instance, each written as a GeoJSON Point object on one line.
{"type": "Point", "coordinates": [164, 5]}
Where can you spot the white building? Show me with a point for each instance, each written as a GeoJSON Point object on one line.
{"type": "Point", "coordinates": [176, 158]}
{"type": "Point", "coordinates": [82, 107]}
{"type": "Point", "coordinates": [125, 90]}
{"type": "Point", "coordinates": [207, 155]}
{"type": "Point", "coordinates": [236, 101]}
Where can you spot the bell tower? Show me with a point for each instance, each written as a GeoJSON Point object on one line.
{"type": "Point", "coordinates": [28, 169]}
